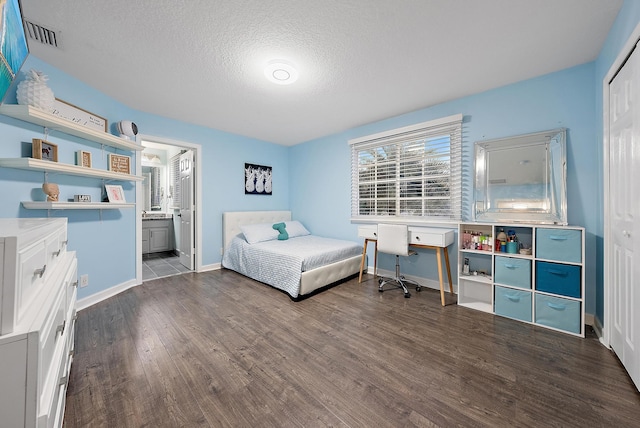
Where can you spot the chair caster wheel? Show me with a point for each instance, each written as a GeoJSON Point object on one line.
{"type": "Point", "coordinates": [418, 288]}
{"type": "Point", "coordinates": [380, 290]}
{"type": "Point", "coordinates": [407, 295]}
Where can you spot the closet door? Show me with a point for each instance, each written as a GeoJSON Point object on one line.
{"type": "Point", "coordinates": [624, 213]}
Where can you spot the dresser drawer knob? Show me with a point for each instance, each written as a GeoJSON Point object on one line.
{"type": "Point", "coordinates": [75, 284]}
{"type": "Point", "coordinates": [56, 253]}
{"type": "Point", "coordinates": [40, 272]}
{"type": "Point", "coordinates": [65, 242]}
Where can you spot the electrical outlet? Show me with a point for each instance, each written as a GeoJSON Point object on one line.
{"type": "Point", "coordinates": [84, 280]}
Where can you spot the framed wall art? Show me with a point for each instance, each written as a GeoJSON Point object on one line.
{"type": "Point", "coordinates": [257, 179]}
{"type": "Point", "coordinates": [119, 163]}
{"type": "Point", "coordinates": [41, 149]}
{"type": "Point", "coordinates": [77, 115]}
{"type": "Point", "coordinates": [83, 158]}
{"type": "Point", "coordinates": [114, 193]}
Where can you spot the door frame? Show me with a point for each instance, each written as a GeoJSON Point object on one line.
{"type": "Point", "coordinates": [197, 155]}
{"type": "Point", "coordinates": [625, 52]}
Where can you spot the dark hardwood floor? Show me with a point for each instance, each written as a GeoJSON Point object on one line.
{"type": "Point", "coordinates": [219, 350]}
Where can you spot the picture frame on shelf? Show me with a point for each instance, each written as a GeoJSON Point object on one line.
{"type": "Point", "coordinates": [114, 193]}
{"type": "Point", "coordinates": [80, 116]}
{"type": "Point", "coordinates": [83, 158]}
{"type": "Point", "coordinates": [42, 149]}
{"type": "Point", "coordinates": [119, 163]}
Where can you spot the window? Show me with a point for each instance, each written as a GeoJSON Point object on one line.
{"type": "Point", "coordinates": [409, 172]}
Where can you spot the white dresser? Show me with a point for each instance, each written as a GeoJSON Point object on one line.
{"type": "Point", "coordinates": [37, 320]}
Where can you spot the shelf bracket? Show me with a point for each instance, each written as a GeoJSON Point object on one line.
{"type": "Point", "coordinates": [46, 133]}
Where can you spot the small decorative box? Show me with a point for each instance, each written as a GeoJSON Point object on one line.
{"type": "Point", "coordinates": [81, 198]}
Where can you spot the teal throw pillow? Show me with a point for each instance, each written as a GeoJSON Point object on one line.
{"type": "Point", "coordinates": [282, 228]}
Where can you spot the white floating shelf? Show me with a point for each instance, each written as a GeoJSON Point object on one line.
{"type": "Point", "coordinates": [40, 117]}
{"type": "Point", "coordinates": [41, 205]}
{"type": "Point", "coordinates": [63, 168]}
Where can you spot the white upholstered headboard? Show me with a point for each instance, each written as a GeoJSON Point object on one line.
{"type": "Point", "coordinates": [232, 220]}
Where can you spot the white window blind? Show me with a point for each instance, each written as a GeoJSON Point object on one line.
{"type": "Point", "coordinates": [415, 171]}
{"type": "Point", "coordinates": [174, 176]}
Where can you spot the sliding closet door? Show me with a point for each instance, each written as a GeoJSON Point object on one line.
{"type": "Point", "coordinates": [624, 214]}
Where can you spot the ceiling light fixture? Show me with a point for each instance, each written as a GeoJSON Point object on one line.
{"type": "Point", "coordinates": [281, 72]}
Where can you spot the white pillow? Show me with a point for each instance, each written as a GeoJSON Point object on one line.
{"type": "Point", "coordinates": [295, 228]}
{"type": "Point", "coordinates": [255, 233]}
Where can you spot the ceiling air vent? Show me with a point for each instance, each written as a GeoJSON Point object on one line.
{"type": "Point", "coordinates": [42, 35]}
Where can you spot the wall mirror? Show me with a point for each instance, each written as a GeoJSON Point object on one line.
{"type": "Point", "coordinates": [522, 179]}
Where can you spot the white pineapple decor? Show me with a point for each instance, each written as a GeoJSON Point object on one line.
{"type": "Point", "coordinates": [33, 91]}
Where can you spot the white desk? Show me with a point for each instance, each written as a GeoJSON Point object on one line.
{"type": "Point", "coordinates": [419, 237]}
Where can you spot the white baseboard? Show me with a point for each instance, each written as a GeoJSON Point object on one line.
{"type": "Point", "coordinates": [207, 268]}
{"type": "Point", "coordinates": [85, 302]}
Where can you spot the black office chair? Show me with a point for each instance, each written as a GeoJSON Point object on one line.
{"type": "Point", "coordinates": [394, 239]}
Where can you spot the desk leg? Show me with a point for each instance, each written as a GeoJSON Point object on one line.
{"type": "Point", "coordinates": [439, 256]}
{"type": "Point", "coordinates": [375, 259]}
{"type": "Point", "coordinates": [364, 257]}
{"type": "Point", "coordinates": [446, 258]}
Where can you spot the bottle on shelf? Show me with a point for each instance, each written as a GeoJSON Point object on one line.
{"type": "Point", "coordinates": [501, 240]}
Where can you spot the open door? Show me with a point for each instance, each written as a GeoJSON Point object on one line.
{"type": "Point", "coordinates": [187, 210]}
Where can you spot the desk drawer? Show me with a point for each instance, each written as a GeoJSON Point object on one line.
{"type": "Point", "coordinates": [563, 245]}
{"type": "Point", "coordinates": [430, 236]}
{"type": "Point", "coordinates": [368, 232]}
{"type": "Point", "coordinates": [512, 271]}
{"type": "Point", "coordinates": [557, 278]}
{"type": "Point", "coordinates": [513, 303]}
{"type": "Point", "coordinates": [557, 312]}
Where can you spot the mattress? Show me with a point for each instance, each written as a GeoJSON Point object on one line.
{"type": "Point", "coordinates": [281, 263]}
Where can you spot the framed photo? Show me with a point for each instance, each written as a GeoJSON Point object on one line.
{"type": "Point", "coordinates": [119, 163]}
{"type": "Point", "coordinates": [257, 179]}
{"type": "Point", "coordinates": [41, 149]}
{"type": "Point", "coordinates": [77, 115]}
{"type": "Point", "coordinates": [83, 158]}
{"type": "Point", "coordinates": [114, 193]}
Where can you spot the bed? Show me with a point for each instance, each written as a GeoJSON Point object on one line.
{"type": "Point", "coordinates": [299, 266]}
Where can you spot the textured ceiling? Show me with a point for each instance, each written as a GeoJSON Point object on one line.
{"type": "Point", "coordinates": [202, 61]}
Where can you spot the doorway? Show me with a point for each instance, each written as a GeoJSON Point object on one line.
{"type": "Point", "coordinates": [170, 194]}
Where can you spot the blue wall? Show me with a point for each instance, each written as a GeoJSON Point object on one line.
{"type": "Point", "coordinates": [105, 241]}
{"type": "Point", "coordinates": [321, 169]}
{"type": "Point", "coordinates": [313, 179]}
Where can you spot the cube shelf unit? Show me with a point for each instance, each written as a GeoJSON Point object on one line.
{"type": "Point", "coordinates": [544, 287]}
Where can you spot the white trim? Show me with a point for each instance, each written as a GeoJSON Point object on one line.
{"type": "Point", "coordinates": [98, 297]}
{"type": "Point", "coordinates": [418, 126]}
{"type": "Point", "coordinates": [197, 148]}
{"type": "Point", "coordinates": [613, 70]}
{"type": "Point", "coordinates": [208, 268]}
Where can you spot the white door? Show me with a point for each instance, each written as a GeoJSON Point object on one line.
{"type": "Point", "coordinates": [624, 214]}
{"type": "Point", "coordinates": [186, 210]}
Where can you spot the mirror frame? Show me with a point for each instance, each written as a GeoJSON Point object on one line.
{"type": "Point", "coordinates": [547, 204]}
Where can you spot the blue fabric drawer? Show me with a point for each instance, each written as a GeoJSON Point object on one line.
{"type": "Point", "coordinates": [513, 303]}
{"type": "Point", "coordinates": [557, 278]}
{"type": "Point", "coordinates": [513, 272]}
{"type": "Point", "coordinates": [556, 312]}
{"type": "Point", "coordinates": [563, 245]}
